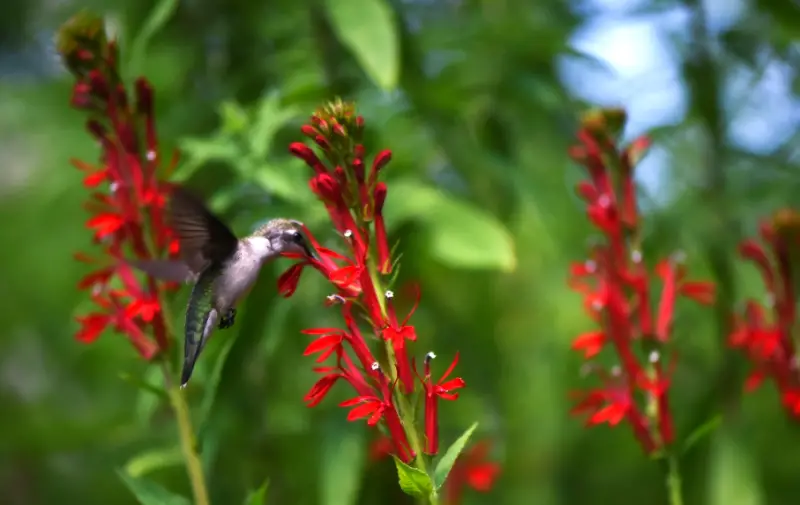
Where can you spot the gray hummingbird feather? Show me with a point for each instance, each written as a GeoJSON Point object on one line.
{"type": "Point", "coordinates": [222, 266]}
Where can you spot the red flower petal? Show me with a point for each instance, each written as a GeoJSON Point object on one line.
{"type": "Point", "coordinates": [591, 343]}
{"type": "Point", "coordinates": [701, 292]}
{"type": "Point", "coordinates": [91, 327]}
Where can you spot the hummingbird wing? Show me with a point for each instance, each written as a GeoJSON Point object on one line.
{"type": "Point", "coordinates": [165, 270]}
{"type": "Point", "coordinates": [201, 319]}
{"type": "Point", "coordinates": [203, 237]}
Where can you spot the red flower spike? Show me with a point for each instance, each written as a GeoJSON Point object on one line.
{"type": "Point", "coordinates": [615, 288]}
{"type": "Point", "coordinates": [354, 201]}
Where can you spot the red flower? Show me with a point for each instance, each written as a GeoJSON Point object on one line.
{"type": "Point", "coordinates": [433, 391]}
{"type": "Point", "coordinates": [128, 197]}
{"type": "Point", "coordinates": [767, 339]}
{"type": "Point", "coordinates": [472, 469]}
{"type": "Point", "coordinates": [355, 200]}
{"type": "Point", "coordinates": [616, 286]}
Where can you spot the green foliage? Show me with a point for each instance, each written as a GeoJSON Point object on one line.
{"type": "Point", "coordinates": [480, 201]}
{"type": "Point", "coordinates": [367, 28]}
{"type": "Point", "coordinates": [450, 456]}
{"type": "Point", "coordinates": [258, 496]}
{"type": "Point", "coordinates": [413, 482]}
{"type": "Point", "coordinates": [150, 493]}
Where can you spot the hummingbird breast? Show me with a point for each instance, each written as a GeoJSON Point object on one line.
{"type": "Point", "coordinates": [237, 278]}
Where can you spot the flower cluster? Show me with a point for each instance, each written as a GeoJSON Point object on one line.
{"type": "Point", "coordinates": [770, 343]}
{"type": "Point", "coordinates": [616, 286]}
{"type": "Point", "coordinates": [472, 470]}
{"type": "Point", "coordinates": [127, 198]}
{"type": "Point", "coordinates": [354, 198]}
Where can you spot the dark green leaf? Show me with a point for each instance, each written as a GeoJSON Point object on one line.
{"type": "Point", "coordinates": [259, 496]}
{"type": "Point", "coordinates": [701, 431]}
{"type": "Point", "coordinates": [339, 483]}
{"type": "Point", "coordinates": [159, 16]}
{"type": "Point", "coordinates": [144, 385]}
{"type": "Point", "coordinates": [450, 456]}
{"type": "Point", "coordinates": [151, 493]}
{"type": "Point", "coordinates": [367, 28]}
{"type": "Point", "coordinates": [210, 393]}
{"type": "Point", "coordinates": [413, 482]}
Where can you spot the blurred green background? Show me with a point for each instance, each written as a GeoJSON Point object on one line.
{"type": "Point", "coordinates": [479, 115]}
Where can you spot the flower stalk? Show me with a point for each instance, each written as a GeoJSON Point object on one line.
{"type": "Point", "coordinates": [616, 285]}
{"type": "Point", "coordinates": [354, 197]}
{"type": "Point", "coordinates": [127, 200]}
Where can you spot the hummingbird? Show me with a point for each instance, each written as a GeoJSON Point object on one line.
{"type": "Point", "coordinates": [222, 266]}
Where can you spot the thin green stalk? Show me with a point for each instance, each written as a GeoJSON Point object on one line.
{"type": "Point", "coordinates": [403, 407]}
{"type": "Point", "coordinates": [674, 481]}
{"type": "Point", "coordinates": [191, 458]}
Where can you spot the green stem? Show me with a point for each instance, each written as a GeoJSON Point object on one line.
{"type": "Point", "coordinates": [403, 406]}
{"type": "Point", "coordinates": [191, 457]}
{"type": "Point", "coordinates": [674, 481]}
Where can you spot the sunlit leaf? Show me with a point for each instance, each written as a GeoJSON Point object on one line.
{"type": "Point", "coordinates": [460, 234]}
{"type": "Point", "coordinates": [154, 459]}
{"type": "Point", "coordinates": [159, 16]}
{"type": "Point", "coordinates": [259, 496]}
{"type": "Point", "coordinates": [150, 493]}
{"type": "Point", "coordinates": [367, 28]}
{"type": "Point", "coordinates": [269, 118]}
{"type": "Point", "coordinates": [413, 482]}
{"type": "Point", "coordinates": [201, 151]}
{"type": "Point", "coordinates": [733, 476]}
{"type": "Point", "coordinates": [339, 483]}
{"type": "Point", "coordinates": [234, 117]}
{"type": "Point", "coordinates": [450, 456]}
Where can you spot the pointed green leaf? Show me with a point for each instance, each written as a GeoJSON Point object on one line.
{"type": "Point", "coordinates": [143, 385]}
{"type": "Point", "coordinates": [339, 483]}
{"type": "Point", "coordinates": [269, 118]}
{"type": "Point", "coordinates": [367, 28]}
{"type": "Point", "coordinates": [259, 496]}
{"type": "Point", "coordinates": [159, 16]}
{"type": "Point", "coordinates": [460, 234]}
{"type": "Point", "coordinates": [234, 117]}
{"type": "Point", "coordinates": [212, 383]}
{"type": "Point", "coordinates": [450, 456]}
{"type": "Point", "coordinates": [413, 482]}
{"type": "Point", "coordinates": [154, 459]}
{"type": "Point", "coordinates": [701, 431]}
{"type": "Point", "coordinates": [151, 493]}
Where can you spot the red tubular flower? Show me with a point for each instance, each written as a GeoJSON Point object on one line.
{"type": "Point", "coordinates": [443, 389]}
{"type": "Point", "coordinates": [126, 196]}
{"type": "Point", "coordinates": [616, 285]}
{"type": "Point", "coordinates": [355, 200]}
{"type": "Point", "coordinates": [771, 342]}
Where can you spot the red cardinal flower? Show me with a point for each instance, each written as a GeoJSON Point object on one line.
{"type": "Point", "coordinates": [616, 288]}
{"type": "Point", "coordinates": [126, 194]}
{"type": "Point", "coordinates": [354, 198]}
{"type": "Point", "coordinates": [443, 389]}
{"type": "Point", "coordinates": [767, 334]}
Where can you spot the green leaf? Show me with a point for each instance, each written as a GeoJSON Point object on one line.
{"type": "Point", "coordinates": [213, 383]}
{"type": "Point", "coordinates": [701, 431]}
{"type": "Point", "coordinates": [158, 17]}
{"type": "Point", "coordinates": [460, 234]}
{"type": "Point", "coordinates": [413, 482]}
{"type": "Point", "coordinates": [151, 493]}
{"type": "Point", "coordinates": [367, 28]}
{"type": "Point", "coordinates": [259, 496]}
{"type": "Point", "coordinates": [733, 476]}
{"type": "Point", "coordinates": [200, 151]}
{"type": "Point", "coordinates": [143, 385]}
{"type": "Point", "coordinates": [339, 483]}
{"type": "Point", "coordinates": [152, 460]}
{"type": "Point", "coordinates": [450, 456]}
{"type": "Point", "coordinates": [234, 117]}
{"type": "Point", "coordinates": [270, 117]}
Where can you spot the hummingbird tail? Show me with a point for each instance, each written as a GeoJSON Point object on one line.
{"type": "Point", "coordinates": [193, 347]}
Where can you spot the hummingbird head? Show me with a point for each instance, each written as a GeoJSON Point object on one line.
{"type": "Point", "coordinates": [285, 235]}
